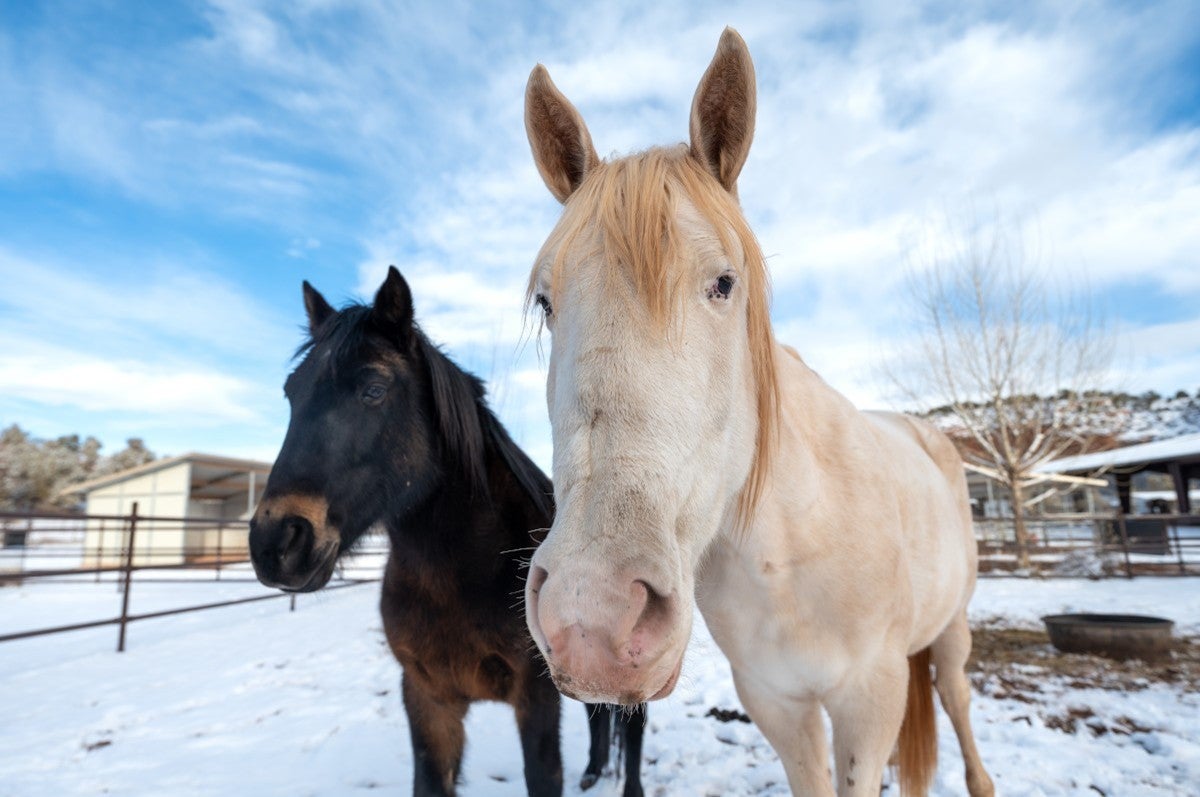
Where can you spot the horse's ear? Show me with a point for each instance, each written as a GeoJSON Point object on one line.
{"type": "Point", "coordinates": [722, 124]}
{"type": "Point", "coordinates": [317, 308]}
{"type": "Point", "coordinates": [392, 312]}
{"type": "Point", "coordinates": [562, 147]}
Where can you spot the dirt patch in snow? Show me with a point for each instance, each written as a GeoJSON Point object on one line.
{"type": "Point", "coordinates": [1016, 660]}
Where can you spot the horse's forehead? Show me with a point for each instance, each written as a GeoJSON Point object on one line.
{"type": "Point", "coordinates": [310, 370]}
{"type": "Point", "coordinates": [328, 360]}
{"type": "Point", "coordinates": [699, 233]}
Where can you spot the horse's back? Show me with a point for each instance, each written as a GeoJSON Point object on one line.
{"type": "Point", "coordinates": [936, 515]}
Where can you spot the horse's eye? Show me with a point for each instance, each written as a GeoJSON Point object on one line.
{"type": "Point", "coordinates": [722, 287]}
{"type": "Point", "coordinates": [544, 303]}
{"type": "Point", "coordinates": [374, 392]}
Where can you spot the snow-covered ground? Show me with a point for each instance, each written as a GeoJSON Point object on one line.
{"type": "Point", "coordinates": [256, 700]}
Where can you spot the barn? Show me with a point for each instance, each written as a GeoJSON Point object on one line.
{"type": "Point", "coordinates": [194, 506]}
{"type": "Point", "coordinates": [1176, 458]}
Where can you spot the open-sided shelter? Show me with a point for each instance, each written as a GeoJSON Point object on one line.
{"type": "Point", "coordinates": [195, 507]}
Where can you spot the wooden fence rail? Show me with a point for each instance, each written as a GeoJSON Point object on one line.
{"type": "Point", "coordinates": [1094, 544]}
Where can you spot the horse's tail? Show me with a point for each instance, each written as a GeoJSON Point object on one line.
{"type": "Point", "coordinates": [918, 734]}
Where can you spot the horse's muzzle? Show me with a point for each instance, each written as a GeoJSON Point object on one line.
{"type": "Point", "coordinates": [288, 554]}
{"type": "Point", "coordinates": [605, 644]}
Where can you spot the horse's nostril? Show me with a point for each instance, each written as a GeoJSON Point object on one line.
{"type": "Point", "coordinates": [295, 536]}
{"type": "Point", "coordinates": [537, 577]}
{"type": "Point", "coordinates": [657, 613]}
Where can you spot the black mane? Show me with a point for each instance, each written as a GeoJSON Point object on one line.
{"type": "Point", "coordinates": [465, 421]}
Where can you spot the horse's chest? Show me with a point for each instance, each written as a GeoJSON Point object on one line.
{"type": "Point", "coordinates": [781, 629]}
{"type": "Point", "coordinates": [461, 677]}
{"type": "Point", "coordinates": [455, 650]}
{"type": "Point", "coordinates": [781, 652]}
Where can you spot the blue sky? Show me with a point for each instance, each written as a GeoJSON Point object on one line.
{"type": "Point", "coordinates": [170, 172]}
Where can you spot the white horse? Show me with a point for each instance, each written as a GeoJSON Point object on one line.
{"type": "Point", "coordinates": [830, 550]}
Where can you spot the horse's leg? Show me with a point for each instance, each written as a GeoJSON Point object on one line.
{"type": "Point", "coordinates": [437, 734]}
{"type": "Point", "coordinates": [795, 731]}
{"type": "Point", "coordinates": [950, 652]}
{"type": "Point", "coordinates": [538, 716]}
{"type": "Point", "coordinates": [866, 713]}
{"type": "Point", "coordinates": [600, 720]}
{"type": "Point", "coordinates": [632, 725]}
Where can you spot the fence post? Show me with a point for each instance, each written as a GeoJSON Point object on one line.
{"type": "Point", "coordinates": [99, 548]}
{"type": "Point", "coordinates": [25, 545]}
{"type": "Point", "coordinates": [220, 536]}
{"type": "Point", "coordinates": [1174, 532]}
{"type": "Point", "coordinates": [133, 518]}
{"type": "Point", "coordinates": [1124, 544]}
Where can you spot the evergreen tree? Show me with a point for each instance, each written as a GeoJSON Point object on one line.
{"type": "Point", "coordinates": [35, 473]}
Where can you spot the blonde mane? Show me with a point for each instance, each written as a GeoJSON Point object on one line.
{"type": "Point", "coordinates": [632, 201]}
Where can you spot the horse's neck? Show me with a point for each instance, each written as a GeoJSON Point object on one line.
{"type": "Point", "coordinates": [457, 525]}
{"type": "Point", "coordinates": [819, 430]}
{"type": "Point", "coordinates": [814, 416]}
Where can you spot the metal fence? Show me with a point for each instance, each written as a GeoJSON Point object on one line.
{"type": "Point", "coordinates": [132, 553]}
{"type": "Point", "coordinates": [1094, 545]}
{"type": "Point", "coordinates": [131, 550]}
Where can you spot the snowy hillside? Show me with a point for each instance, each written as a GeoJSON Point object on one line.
{"type": "Point", "coordinates": [1127, 418]}
{"type": "Point", "coordinates": [1162, 418]}
{"type": "Point", "coordinates": [255, 700]}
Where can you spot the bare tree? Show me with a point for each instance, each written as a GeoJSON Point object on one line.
{"type": "Point", "coordinates": [1016, 364]}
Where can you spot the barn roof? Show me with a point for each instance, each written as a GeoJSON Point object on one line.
{"type": "Point", "coordinates": [209, 471]}
{"type": "Point", "coordinates": [1183, 449]}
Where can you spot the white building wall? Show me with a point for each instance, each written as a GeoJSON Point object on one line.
{"type": "Point", "coordinates": [160, 493]}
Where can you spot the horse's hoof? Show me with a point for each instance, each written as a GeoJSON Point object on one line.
{"type": "Point", "coordinates": [632, 790]}
{"type": "Point", "coordinates": [588, 780]}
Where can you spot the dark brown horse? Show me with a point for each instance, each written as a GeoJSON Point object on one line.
{"type": "Point", "coordinates": [385, 429]}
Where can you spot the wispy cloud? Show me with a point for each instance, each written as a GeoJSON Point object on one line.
{"type": "Point", "coordinates": [157, 394]}
{"type": "Point", "coordinates": [1164, 355]}
{"type": "Point", "coordinates": [168, 350]}
{"type": "Point", "coordinates": [155, 308]}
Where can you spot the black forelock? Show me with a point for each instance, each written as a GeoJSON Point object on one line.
{"type": "Point", "coordinates": [343, 332]}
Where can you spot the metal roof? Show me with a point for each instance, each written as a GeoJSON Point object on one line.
{"type": "Point", "coordinates": [212, 469]}
{"type": "Point", "coordinates": [1183, 448]}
